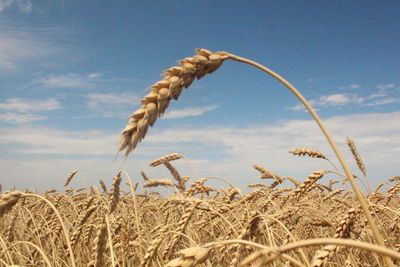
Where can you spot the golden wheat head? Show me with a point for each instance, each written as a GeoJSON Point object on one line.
{"type": "Point", "coordinates": [162, 92]}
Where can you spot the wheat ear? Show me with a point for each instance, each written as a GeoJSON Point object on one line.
{"type": "Point", "coordinates": [162, 92]}
{"type": "Point", "coordinates": [342, 231]}
{"type": "Point", "coordinates": [166, 158]}
{"type": "Point", "coordinates": [313, 153]}
{"type": "Point", "coordinates": [100, 245]}
{"type": "Point", "coordinates": [69, 178]}
{"type": "Point", "coordinates": [115, 192]}
{"type": "Point", "coordinates": [360, 164]}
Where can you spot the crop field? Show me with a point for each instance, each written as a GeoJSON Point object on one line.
{"type": "Point", "coordinates": [197, 225]}
{"type": "Point", "coordinates": [281, 221]}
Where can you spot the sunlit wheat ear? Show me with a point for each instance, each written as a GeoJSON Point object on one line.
{"type": "Point", "coordinates": [115, 190]}
{"type": "Point", "coordinates": [100, 245]}
{"type": "Point", "coordinates": [162, 92]}
{"type": "Point", "coordinates": [159, 182]}
{"type": "Point", "coordinates": [265, 173]}
{"type": "Point", "coordinates": [166, 158]}
{"type": "Point", "coordinates": [360, 164]}
{"type": "Point", "coordinates": [307, 152]}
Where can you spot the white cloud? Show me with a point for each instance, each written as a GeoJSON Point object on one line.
{"type": "Point", "coordinates": [333, 100]}
{"type": "Point", "coordinates": [385, 86]}
{"type": "Point", "coordinates": [13, 117]}
{"type": "Point", "coordinates": [232, 149]}
{"type": "Point", "coordinates": [122, 98]}
{"type": "Point", "coordinates": [112, 104]}
{"type": "Point", "coordinates": [22, 105]}
{"type": "Point", "coordinates": [377, 95]}
{"type": "Point", "coordinates": [93, 75]}
{"type": "Point", "coordinates": [189, 112]}
{"type": "Point", "coordinates": [37, 140]}
{"type": "Point", "coordinates": [16, 50]}
{"type": "Point", "coordinates": [349, 86]}
{"type": "Point", "coordinates": [384, 101]}
{"type": "Point", "coordinates": [71, 80]}
{"type": "Point", "coordinates": [20, 47]}
{"type": "Point", "coordinates": [378, 145]}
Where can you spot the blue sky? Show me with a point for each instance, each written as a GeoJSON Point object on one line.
{"type": "Point", "coordinates": [71, 72]}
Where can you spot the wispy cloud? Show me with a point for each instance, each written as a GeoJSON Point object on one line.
{"type": "Point", "coordinates": [337, 100]}
{"type": "Point", "coordinates": [349, 86]}
{"type": "Point", "coordinates": [383, 95]}
{"type": "Point", "coordinates": [189, 112]}
{"type": "Point", "coordinates": [333, 100]}
{"type": "Point", "coordinates": [71, 80]}
{"type": "Point", "coordinates": [94, 75]}
{"type": "Point", "coordinates": [23, 105]}
{"type": "Point", "coordinates": [20, 47]}
{"type": "Point", "coordinates": [20, 110]}
{"type": "Point", "coordinates": [111, 104]}
{"type": "Point", "coordinates": [23, 5]}
{"type": "Point", "coordinates": [13, 117]}
{"type": "Point", "coordinates": [384, 101]}
{"type": "Point", "coordinates": [377, 95]}
{"type": "Point", "coordinates": [385, 86]}
{"type": "Point", "coordinates": [38, 140]}
{"type": "Point", "coordinates": [15, 50]}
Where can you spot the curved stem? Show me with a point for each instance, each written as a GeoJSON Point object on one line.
{"type": "Point", "coordinates": [66, 233]}
{"type": "Point", "coordinates": [45, 258]}
{"type": "Point", "coordinates": [310, 242]}
{"type": "Point", "coordinates": [359, 194]}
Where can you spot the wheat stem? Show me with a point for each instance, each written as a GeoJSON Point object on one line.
{"type": "Point", "coordinates": [66, 233]}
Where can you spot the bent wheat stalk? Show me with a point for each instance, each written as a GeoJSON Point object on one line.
{"type": "Point", "coordinates": [205, 62]}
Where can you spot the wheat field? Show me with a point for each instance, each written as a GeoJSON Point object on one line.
{"type": "Point", "coordinates": [281, 221]}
